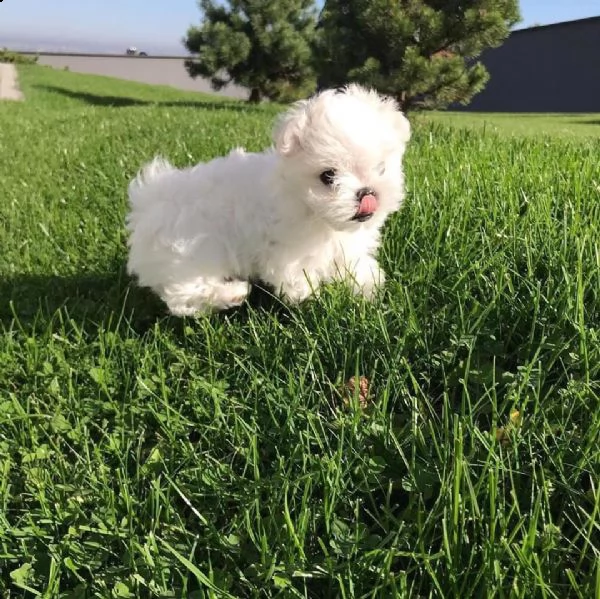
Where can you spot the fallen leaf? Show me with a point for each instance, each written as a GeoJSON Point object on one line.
{"type": "Point", "coordinates": [350, 389]}
{"type": "Point", "coordinates": [504, 433]}
{"type": "Point", "coordinates": [515, 418]}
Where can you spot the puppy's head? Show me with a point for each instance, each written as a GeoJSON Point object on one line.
{"type": "Point", "coordinates": [342, 150]}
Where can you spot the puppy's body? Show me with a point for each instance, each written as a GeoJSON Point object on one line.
{"type": "Point", "coordinates": [199, 235]}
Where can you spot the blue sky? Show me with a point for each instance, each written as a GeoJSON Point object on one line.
{"type": "Point", "coordinates": [158, 25]}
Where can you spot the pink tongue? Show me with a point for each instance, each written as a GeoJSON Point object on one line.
{"type": "Point", "coordinates": [368, 205]}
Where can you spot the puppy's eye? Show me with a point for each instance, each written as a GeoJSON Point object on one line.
{"type": "Point", "coordinates": [327, 177]}
{"type": "Point", "coordinates": [381, 168]}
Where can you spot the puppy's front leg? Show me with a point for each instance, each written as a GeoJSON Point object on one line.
{"type": "Point", "coordinates": [364, 275]}
{"type": "Point", "coordinates": [294, 285]}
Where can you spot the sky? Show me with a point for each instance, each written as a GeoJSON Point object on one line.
{"type": "Point", "coordinates": [158, 25]}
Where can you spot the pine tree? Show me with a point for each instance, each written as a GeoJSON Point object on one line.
{"type": "Point", "coordinates": [263, 45]}
{"type": "Point", "coordinates": [422, 52]}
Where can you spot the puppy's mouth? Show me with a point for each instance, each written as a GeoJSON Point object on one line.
{"type": "Point", "coordinates": [367, 205]}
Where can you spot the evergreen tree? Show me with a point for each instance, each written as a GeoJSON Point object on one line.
{"type": "Point", "coordinates": [422, 52]}
{"type": "Point", "coordinates": [263, 45]}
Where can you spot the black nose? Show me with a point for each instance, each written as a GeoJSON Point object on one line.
{"type": "Point", "coordinates": [365, 191]}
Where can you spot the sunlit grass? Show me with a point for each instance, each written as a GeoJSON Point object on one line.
{"type": "Point", "coordinates": [145, 456]}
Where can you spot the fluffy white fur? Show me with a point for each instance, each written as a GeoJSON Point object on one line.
{"type": "Point", "coordinates": [199, 235]}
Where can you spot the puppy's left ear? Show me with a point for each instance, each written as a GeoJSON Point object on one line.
{"type": "Point", "coordinates": [287, 134]}
{"type": "Point", "coordinates": [402, 127]}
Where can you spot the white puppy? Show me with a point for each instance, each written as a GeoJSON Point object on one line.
{"type": "Point", "coordinates": [300, 214]}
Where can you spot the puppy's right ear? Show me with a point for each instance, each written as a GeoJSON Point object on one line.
{"type": "Point", "coordinates": [287, 134]}
{"type": "Point", "coordinates": [402, 127]}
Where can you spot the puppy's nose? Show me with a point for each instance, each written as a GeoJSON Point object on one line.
{"type": "Point", "coordinates": [365, 191]}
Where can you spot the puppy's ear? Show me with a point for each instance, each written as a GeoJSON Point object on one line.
{"type": "Point", "coordinates": [287, 134]}
{"type": "Point", "coordinates": [402, 127]}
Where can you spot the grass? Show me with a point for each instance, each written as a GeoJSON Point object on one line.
{"type": "Point", "coordinates": [523, 124]}
{"type": "Point", "coordinates": [145, 456]}
{"type": "Point", "coordinates": [9, 56]}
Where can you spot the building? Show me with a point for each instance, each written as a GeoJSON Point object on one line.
{"type": "Point", "coordinates": [550, 68]}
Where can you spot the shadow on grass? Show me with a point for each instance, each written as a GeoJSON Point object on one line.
{"type": "Point", "coordinates": [128, 101]}
{"type": "Point", "coordinates": [108, 300]}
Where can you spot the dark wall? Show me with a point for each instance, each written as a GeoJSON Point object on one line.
{"type": "Point", "coordinates": [545, 69]}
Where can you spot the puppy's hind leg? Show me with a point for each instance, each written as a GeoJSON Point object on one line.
{"type": "Point", "coordinates": [203, 295]}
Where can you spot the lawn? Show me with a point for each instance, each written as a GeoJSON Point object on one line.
{"type": "Point", "coordinates": [526, 124]}
{"type": "Point", "coordinates": [147, 456]}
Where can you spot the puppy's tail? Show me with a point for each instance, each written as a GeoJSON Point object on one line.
{"type": "Point", "coordinates": [150, 173]}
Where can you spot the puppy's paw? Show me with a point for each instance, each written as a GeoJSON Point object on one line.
{"type": "Point", "coordinates": [296, 294]}
{"type": "Point", "coordinates": [298, 290]}
{"type": "Point", "coordinates": [367, 278]}
{"type": "Point", "coordinates": [205, 295]}
{"type": "Point", "coordinates": [294, 285]}
{"type": "Point", "coordinates": [189, 307]}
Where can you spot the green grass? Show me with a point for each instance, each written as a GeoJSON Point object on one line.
{"type": "Point", "coordinates": [522, 124]}
{"type": "Point", "coordinates": [145, 456]}
{"type": "Point", "coordinates": [9, 56]}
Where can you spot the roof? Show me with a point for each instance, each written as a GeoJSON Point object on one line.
{"type": "Point", "coordinates": [560, 24]}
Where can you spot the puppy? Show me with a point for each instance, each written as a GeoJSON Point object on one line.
{"type": "Point", "coordinates": [307, 211]}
